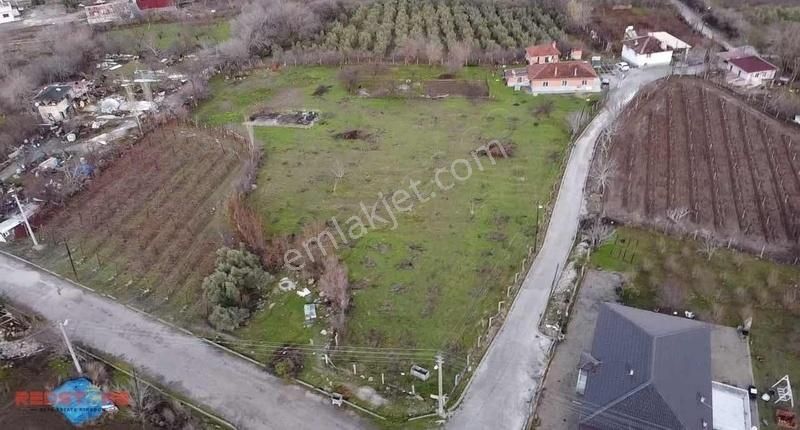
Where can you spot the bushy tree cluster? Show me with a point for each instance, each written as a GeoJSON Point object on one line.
{"type": "Point", "coordinates": [234, 287]}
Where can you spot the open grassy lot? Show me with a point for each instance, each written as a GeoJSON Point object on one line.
{"type": "Point", "coordinates": [430, 281]}
{"type": "Point", "coordinates": [670, 274]}
{"type": "Point", "coordinates": [164, 35]}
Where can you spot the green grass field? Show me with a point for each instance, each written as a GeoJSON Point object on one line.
{"type": "Point", "coordinates": [430, 281]}
{"type": "Point", "coordinates": [166, 34]}
{"type": "Point", "coordinates": [673, 274]}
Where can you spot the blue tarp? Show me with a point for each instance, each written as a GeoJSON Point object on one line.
{"type": "Point", "coordinates": [78, 400]}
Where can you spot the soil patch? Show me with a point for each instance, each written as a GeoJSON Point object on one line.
{"type": "Point", "coordinates": [354, 134]}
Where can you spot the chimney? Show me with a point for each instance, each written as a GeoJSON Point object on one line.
{"type": "Point", "coordinates": [575, 72]}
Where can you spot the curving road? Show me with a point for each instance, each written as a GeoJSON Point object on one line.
{"type": "Point", "coordinates": [505, 381]}
{"type": "Point", "coordinates": [238, 391]}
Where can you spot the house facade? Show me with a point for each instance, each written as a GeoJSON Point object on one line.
{"type": "Point", "coordinates": [563, 77]}
{"type": "Point", "coordinates": [750, 70]}
{"type": "Point", "coordinates": [8, 12]}
{"type": "Point", "coordinates": [54, 103]}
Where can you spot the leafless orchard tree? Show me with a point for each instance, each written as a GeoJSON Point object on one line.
{"type": "Point", "coordinates": [604, 173]}
{"type": "Point", "coordinates": [677, 215]}
{"type": "Point", "coordinates": [338, 171]}
{"type": "Point", "coordinates": [434, 51]}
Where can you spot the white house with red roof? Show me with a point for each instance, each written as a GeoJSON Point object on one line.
{"type": "Point", "coordinates": [748, 70]}
{"type": "Point", "coordinates": [545, 73]}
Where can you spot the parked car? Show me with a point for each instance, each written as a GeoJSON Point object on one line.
{"type": "Point", "coordinates": [623, 66]}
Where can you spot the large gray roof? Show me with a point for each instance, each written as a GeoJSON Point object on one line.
{"type": "Point", "coordinates": [653, 370]}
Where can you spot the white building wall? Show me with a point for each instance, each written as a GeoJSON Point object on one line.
{"type": "Point", "coordinates": [593, 86]}
{"type": "Point", "coordinates": [8, 13]}
{"type": "Point", "coordinates": [54, 113]}
{"type": "Point", "coordinates": [636, 60]}
{"type": "Point", "coordinates": [755, 78]}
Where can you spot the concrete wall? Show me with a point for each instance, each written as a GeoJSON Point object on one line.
{"type": "Point", "coordinates": [659, 58]}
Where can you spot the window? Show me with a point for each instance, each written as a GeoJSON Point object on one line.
{"type": "Point", "coordinates": [545, 84]}
{"type": "Point", "coordinates": [563, 83]}
{"type": "Point", "coordinates": [5, 15]}
{"type": "Point", "coordinates": [519, 79]}
{"type": "Point", "coordinates": [584, 83]}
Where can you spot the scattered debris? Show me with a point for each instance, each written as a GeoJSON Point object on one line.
{"type": "Point", "coordinates": [286, 284]}
{"type": "Point", "coordinates": [287, 119]}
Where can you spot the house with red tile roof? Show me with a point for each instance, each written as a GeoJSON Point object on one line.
{"type": "Point", "coordinates": [749, 70]}
{"type": "Point", "coordinates": [554, 78]}
{"type": "Point", "coordinates": [546, 73]}
{"type": "Point", "coordinates": [542, 53]}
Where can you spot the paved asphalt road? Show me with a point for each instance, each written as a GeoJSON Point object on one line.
{"type": "Point", "coordinates": [694, 20]}
{"type": "Point", "coordinates": [505, 381]}
{"type": "Point", "coordinates": [235, 389]}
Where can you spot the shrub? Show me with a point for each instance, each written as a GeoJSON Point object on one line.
{"type": "Point", "coordinates": [234, 287]}
{"type": "Point", "coordinates": [228, 319]}
{"type": "Point", "coordinates": [287, 362]}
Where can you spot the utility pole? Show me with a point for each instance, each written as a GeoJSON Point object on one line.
{"type": "Point", "coordinates": [24, 218]}
{"type": "Point", "coordinates": [440, 398]}
{"type": "Point", "coordinates": [69, 347]}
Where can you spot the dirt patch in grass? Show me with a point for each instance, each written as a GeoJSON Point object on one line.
{"type": "Point", "coordinates": [354, 134]}
{"type": "Point", "coordinates": [456, 87]}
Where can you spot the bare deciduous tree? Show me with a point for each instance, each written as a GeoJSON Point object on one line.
{"type": "Point", "coordinates": [337, 169]}
{"type": "Point", "coordinates": [335, 286]}
{"type": "Point", "coordinates": [604, 173]}
{"type": "Point", "coordinates": [433, 51]}
{"type": "Point", "coordinates": [708, 246]}
{"type": "Point", "coordinates": [677, 215]}
{"type": "Point", "coordinates": [598, 233]}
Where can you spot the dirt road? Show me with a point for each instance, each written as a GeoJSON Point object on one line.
{"type": "Point", "coordinates": [235, 389]}
{"type": "Point", "coordinates": [696, 22]}
{"type": "Point", "coordinates": [504, 383]}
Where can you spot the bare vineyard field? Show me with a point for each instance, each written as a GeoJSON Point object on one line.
{"type": "Point", "coordinates": [146, 229]}
{"type": "Point", "coordinates": [690, 157]}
